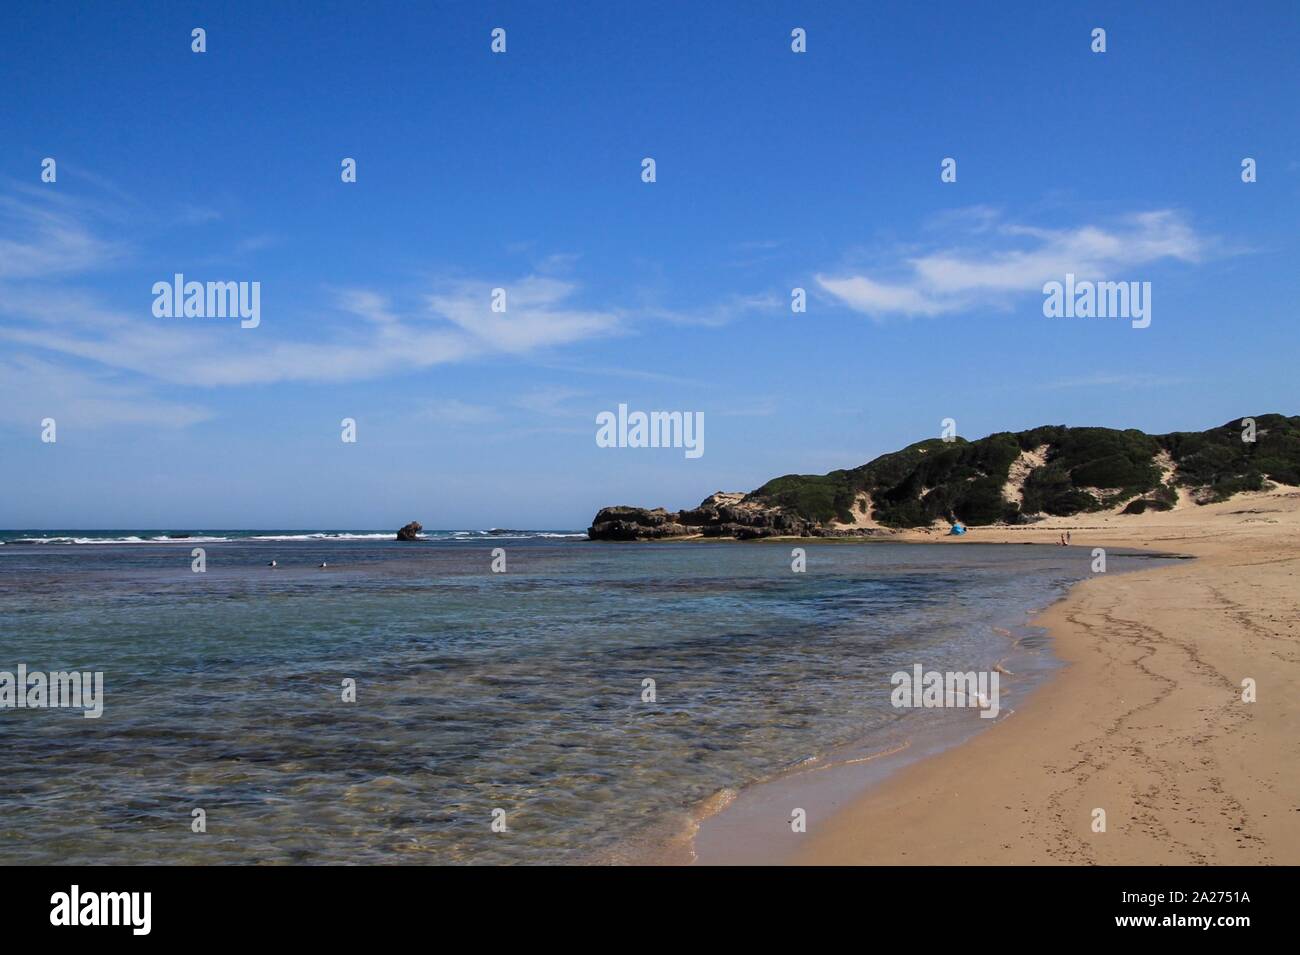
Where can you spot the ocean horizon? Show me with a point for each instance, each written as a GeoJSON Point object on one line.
{"type": "Point", "coordinates": [223, 535]}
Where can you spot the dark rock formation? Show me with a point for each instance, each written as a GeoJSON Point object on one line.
{"type": "Point", "coordinates": [719, 515]}
{"type": "Point", "coordinates": [410, 532]}
{"type": "Point", "coordinates": [635, 523]}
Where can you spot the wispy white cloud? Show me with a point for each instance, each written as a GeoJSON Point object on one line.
{"type": "Point", "coordinates": [368, 333]}
{"type": "Point", "coordinates": [553, 401]}
{"type": "Point", "coordinates": [456, 412]}
{"type": "Point", "coordinates": [255, 243]}
{"type": "Point", "coordinates": [385, 341]}
{"type": "Point", "coordinates": [50, 242]}
{"type": "Point", "coordinates": [621, 372]}
{"type": "Point", "coordinates": [1012, 259]}
{"type": "Point", "coordinates": [716, 314]}
{"type": "Point", "coordinates": [32, 389]}
{"type": "Point", "coordinates": [71, 331]}
{"type": "Point", "coordinates": [557, 262]}
{"type": "Point", "coordinates": [537, 314]}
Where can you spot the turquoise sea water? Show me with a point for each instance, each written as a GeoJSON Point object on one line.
{"type": "Point", "coordinates": [476, 691]}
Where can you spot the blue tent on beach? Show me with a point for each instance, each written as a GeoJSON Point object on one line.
{"type": "Point", "coordinates": [957, 530]}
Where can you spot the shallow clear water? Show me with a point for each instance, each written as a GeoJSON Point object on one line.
{"type": "Point", "coordinates": [476, 690]}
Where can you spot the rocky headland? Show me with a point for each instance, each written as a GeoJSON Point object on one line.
{"type": "Point", "coordinates": [1008, 478]}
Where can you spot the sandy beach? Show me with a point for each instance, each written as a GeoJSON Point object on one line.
{"type": "Point", "coordinates": [1145, 721]}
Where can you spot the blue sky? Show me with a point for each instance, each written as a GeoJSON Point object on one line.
{"type": "Point", "coordinates": [522, 170]}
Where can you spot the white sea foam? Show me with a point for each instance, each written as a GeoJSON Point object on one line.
{"type": "Point", "coordinates": [80, 540]}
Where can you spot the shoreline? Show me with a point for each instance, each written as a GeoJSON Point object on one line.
{"type": "Point", "coordinates": [754, 828]}
{"type": "Point", "coordinates": [1143, 718]}
{"type": "Point", "coordinates": [746, 824]}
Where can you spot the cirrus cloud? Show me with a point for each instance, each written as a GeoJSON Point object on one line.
{"type": "Point", "coordinates": [1012, 259]}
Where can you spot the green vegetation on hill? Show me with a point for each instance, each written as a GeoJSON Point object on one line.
{"type": "Point", "coordinates": [1221, 462]}
{"type": "Point", "coordinates": [1084, 469]}
{"type": "Point", "coordinates": [813, 496]}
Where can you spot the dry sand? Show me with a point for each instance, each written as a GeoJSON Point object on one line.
{"type": "Point", "coordinates": [1146, 721]}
